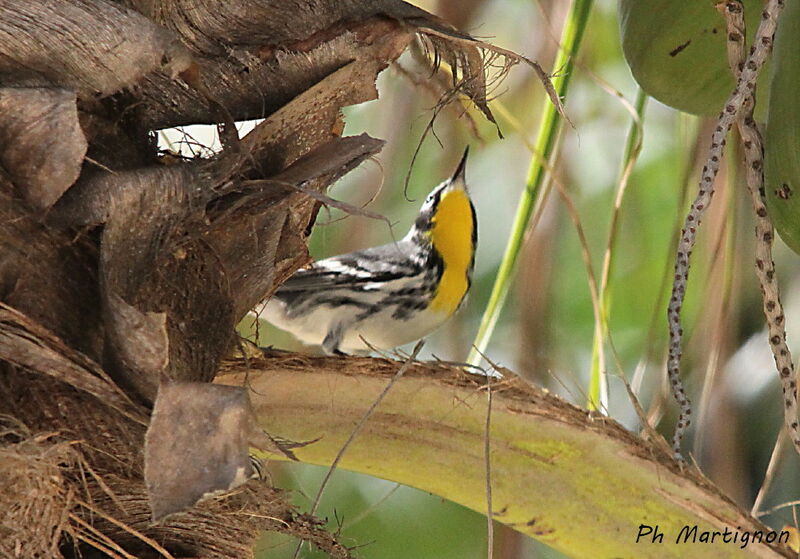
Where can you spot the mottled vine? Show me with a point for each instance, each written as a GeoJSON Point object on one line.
{"type": "Point", "coordinates": [736, 102]}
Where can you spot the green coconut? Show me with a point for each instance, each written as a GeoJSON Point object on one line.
{"type": "Point", "coordinates": [782, 137]}
{"type": "Point", "coordinates": [676, 51]}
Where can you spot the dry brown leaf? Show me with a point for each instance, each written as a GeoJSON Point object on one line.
{"type": "Point", "coordinates": [42, 144]}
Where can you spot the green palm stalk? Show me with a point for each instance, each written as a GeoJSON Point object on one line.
{"type": "Point", "coordinates": [598, 388]}
{"type": "Point", "coordinates": [546, 141]}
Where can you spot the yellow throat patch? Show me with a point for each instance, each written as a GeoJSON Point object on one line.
{"type": "Point", "coordinates": [451, 236]}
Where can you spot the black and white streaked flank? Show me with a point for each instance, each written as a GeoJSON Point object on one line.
{"type": "Point", "coordinates": [388, 295]}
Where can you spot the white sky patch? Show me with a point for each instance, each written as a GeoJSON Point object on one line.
{"type": "Point", "coordinates": [198, 140]}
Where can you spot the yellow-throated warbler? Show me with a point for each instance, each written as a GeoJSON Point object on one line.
{"type": "Point", "coordinates": [388, 295]}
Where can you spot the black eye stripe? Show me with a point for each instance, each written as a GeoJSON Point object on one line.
{"type": "Point", "coordinates": [423, 222]}
{"type": "Point", "coordinates": [437, 196]}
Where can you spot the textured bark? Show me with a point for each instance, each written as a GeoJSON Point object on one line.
{"type": "Point", "coordinates": [44, 142]}
{"type": "Point", "coordinates": [94, 47]}
{"type": "Point", "coordinates": [122, 268]}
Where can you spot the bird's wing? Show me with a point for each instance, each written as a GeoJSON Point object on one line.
{"type": "Point", "coordinates": [374, 265]}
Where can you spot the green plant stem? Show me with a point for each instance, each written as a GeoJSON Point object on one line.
{"type": "Point", "coordinates": [571, 36]}
{"type": "Point", "coordinates": [598, 388]}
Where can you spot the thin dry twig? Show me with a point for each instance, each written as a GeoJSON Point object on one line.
{"type": "Point", "coordinates": [487, 456]}
{"type": "Point", "coordinates": [657, 404]}
{"type": "Point", "coordinates": [372, 508]}
{"type": "Point", "coordinates": [622, 185]}
{"type": "Point", "coordinates": [319, 197]}
{"type": "Point", "coordinates": [437, 86]}
{"type": "Point", "coordinates": [718, 306]}
{"type": "Point", "coordinates": [450, 96]}
{"type": "Point", "coordinates": [132, 531]}
{"type": "Point", "coordinates": [357, 429]}
{"type": "Point", "coordinates": [446, 99]}
{"type": "Point", "coordinates": [732, 108]}
{"type": "Point", "coordinates": [592, 281]}
{"type": "Point", "coordinates": [95, 538]}
{"type": "Point", "coordinates": [776, 508]}
{"type": "Point", "coordinates": [627, 168]}
{"type": "Point", "coordinates": [769, 475]}
{"type": "Point", "coordinates": [512, 56]}
{"type": "Point", "coordinates": [467, 81]}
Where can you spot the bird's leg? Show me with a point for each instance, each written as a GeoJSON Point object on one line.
{"type": "Point", "coordinates": [331, 342]}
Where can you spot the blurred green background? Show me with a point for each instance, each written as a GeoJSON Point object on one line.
{"type": "Point", "coordinates": [545, 332]}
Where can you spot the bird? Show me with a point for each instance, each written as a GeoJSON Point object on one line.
{"type": "Point", "coordinates": [390, 295]}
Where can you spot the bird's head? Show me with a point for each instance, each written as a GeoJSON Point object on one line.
{"type": "Point", "coordinates": [447, 207]}
{"type": "Point", "coordinates": [447, 221]}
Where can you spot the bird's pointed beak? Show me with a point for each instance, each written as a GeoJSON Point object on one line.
{"type": "Point", "coordinates": [460, 173]}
